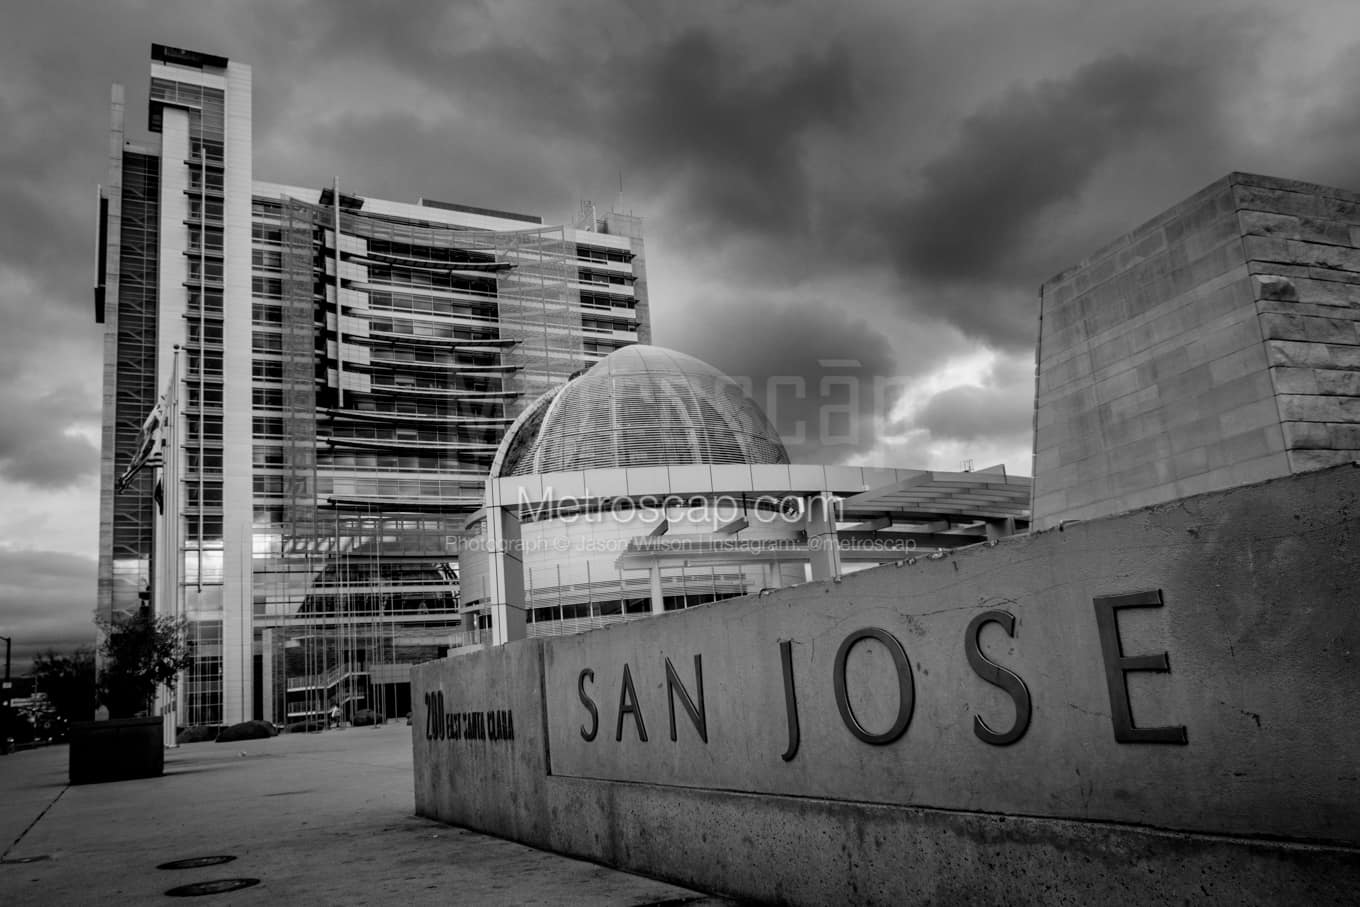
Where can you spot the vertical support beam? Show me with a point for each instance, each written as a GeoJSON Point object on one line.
{"type": "Point", "coordinates": [825, 553]}
{"type": "Point", "coordinates": [267, 674]}
{"type": "Point", "coordinates": [506, 575]}
{"type": "Point", "coordinates": [658, 600]}
{"type": "Point", "coordinates": [339, 324]}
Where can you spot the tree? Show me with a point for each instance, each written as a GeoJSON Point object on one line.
{"type": "Point", "coordinates": [141, 652]}
{"type": "Point", "coordinates": [67, 681]}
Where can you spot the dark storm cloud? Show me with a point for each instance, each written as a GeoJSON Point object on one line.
{"type": "Point", "coordinates": [822, 377]}
{"type": "Point", "coordinates": [973, 224]}
{"type": "Point", "coordinates": [46, 601]}
{"type": "Point", "coordinates": [690, 113]}
{"type": "Point", "coordinates": [1024, 152]}
{"type": "Point", "coordinates": [732, 132]}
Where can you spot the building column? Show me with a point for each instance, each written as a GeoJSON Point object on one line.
{"type": "Point", "coordinates": [505, 576]}
{"type": "Point", "coordinates": [237, 409]}
{"type": "Point", "coordinates": [267, 673]}
{"type": "Point", "coordinates": [658, 600]}
{"type": "Point", "coordinates": [823, 543]}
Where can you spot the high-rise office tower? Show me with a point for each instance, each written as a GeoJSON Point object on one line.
{"type": "Point", "coordinates": [327, 376]}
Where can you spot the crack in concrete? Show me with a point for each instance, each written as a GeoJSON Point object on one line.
{"type": "Point", "coordinates": [8, 850]}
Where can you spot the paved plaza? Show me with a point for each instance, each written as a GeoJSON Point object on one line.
{"type": "Point", "coordinates": [316, 818]}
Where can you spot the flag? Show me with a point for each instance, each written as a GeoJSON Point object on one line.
{"type": "Point", "coordinates": [148, 446]}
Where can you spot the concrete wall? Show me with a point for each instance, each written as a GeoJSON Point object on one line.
{"type": "Point", "coordinates": [1215, 345]}
{"type": "Point", "coordinates": [1251, 795]}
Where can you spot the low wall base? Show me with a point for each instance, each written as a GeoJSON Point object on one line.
{"type": "Point", "coordinates": [791, 850]}
{"type": "Point", "coordinates": [116, 750]}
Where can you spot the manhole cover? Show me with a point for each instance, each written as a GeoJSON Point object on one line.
{"type": "Point", "coordinates": [26, 859]}
{"type": "Point", "coordinates": [196, 862]}
{"type": "Point", "coordinates": [215, 886]}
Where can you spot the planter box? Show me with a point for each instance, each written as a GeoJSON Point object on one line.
{"type": "Point", "coordinates": [117, 750]}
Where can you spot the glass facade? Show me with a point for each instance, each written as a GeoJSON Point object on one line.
{"type": "Point", "coordinates": [134, 380]}
{"type": "Point", "coordinates": [390, 346]}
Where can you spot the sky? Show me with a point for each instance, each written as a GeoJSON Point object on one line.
{"type": "Point", "coordinates": [849, 207]}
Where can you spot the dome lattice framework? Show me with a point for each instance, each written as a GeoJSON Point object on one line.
{"type": "Point", "coordinates": [641, 406]}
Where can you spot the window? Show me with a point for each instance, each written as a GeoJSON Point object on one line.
{"type": "Point", "coordinates": [209, 332]}
{"type": "Point", "coordinates": [205, 209]}
{"type": "Point", "coordinates": [211, 180]}
{"type": "Point", "coordinates": [266, 370]}
{"type": "Point", "coordinates": [207, 300]}
{"type": "Point", "coordinates": [210, 271]}
{"type": "Point", "coordinates": [209, 396]}
{"type": "Point", "coordinates": [267, 287]}
{"type": "Point", "coordinates": [206, 362]}
{"type": "Point", "coordinates": [208, 239]}
{"type": "Point", "coordinates": [262, 313]}
{"type": "Point", "coordinates": [266, 233]}
{"type": "Point", "coordinates": [265, 427]}
{"type": "Point", "coordinates": [210, 495]}
{"type": "Point", "coordinates": [268, 484]}
{"type": "Point", "coordinates": [207, 427]}
{"type": "Point", "coordinates": [263, 397]}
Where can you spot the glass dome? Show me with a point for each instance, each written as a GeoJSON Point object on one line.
{"type": "Point", "coordinates": [640, 406]}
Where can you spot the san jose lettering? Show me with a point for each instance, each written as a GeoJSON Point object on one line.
{"type": "Point", "coordinates": [631, 714]}
{"type": "Point", "coordinates": [691, 703]}
{"type": "Point", "coordinates": [493, 725]}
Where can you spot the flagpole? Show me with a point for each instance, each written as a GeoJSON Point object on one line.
{"type": "Point", "coordinates": [169, 601]}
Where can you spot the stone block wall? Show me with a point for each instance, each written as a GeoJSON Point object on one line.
{"type": "Point", "coordinates": [1214, 346]}
{"type": "Point", "coordinates": [1302, 243]}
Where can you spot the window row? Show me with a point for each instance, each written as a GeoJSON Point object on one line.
{"type": "Point", "coordinates": [587, 275]}
{"type": "Point", "coordinates": [428, 329]}
{"type": "Point", "coordinates": [430, 305]}
{"type": "Point", "coordinates": [594, 300]}
{"type": "Point", "coordinates": [595, 253]}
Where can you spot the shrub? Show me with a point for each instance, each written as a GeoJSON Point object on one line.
{"type": "Point", "coordinates": [201, 734]}
{"type": "Point", "coordinates": [305, 727]}
{"type": "Point", "coordinates": [246, 730]}
{"type": "Point", "coordinates": [364, 717]}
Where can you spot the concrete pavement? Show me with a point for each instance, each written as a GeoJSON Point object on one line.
{"type": "Point", "coordinates": [317, 818]}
